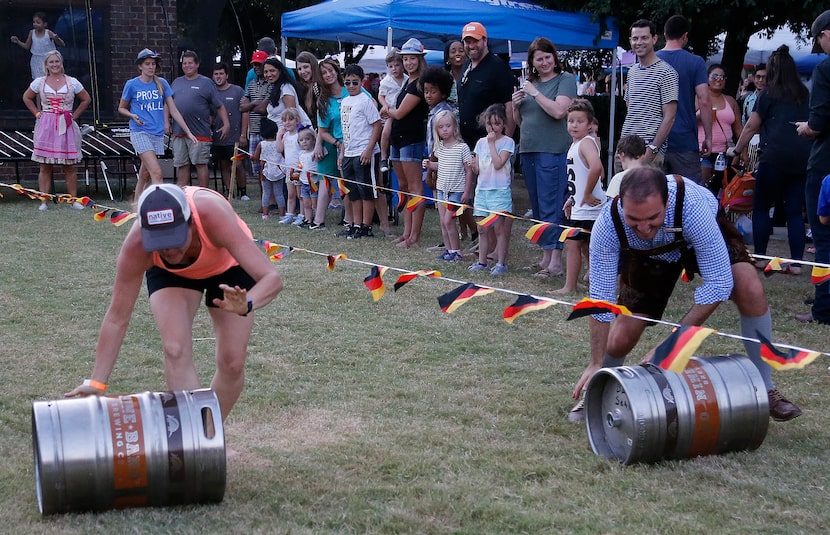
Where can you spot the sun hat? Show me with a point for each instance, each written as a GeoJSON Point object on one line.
{"type": "Point", "coordinates": [413, 47]}
{"type": "Point", "coordinates": [259, 56]}
{"type": "Point", "coordinates": [165, 216]}
{"type": "Point", "coordinates": [476, 30]}
{"type": "Point", "coordinates": [146, 53]}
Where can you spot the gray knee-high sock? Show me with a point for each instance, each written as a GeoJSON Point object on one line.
{"type": "Point", "coordinates": [612, 362]}
{"type": "Point", "coordinates": [749, 326]}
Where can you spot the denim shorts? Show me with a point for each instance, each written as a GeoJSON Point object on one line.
{"type": "Point", "coordinates": [407, 153]}
{"type": "Point", "coordinates": [144, 142]}
{"type": "Point", "coordinates": [306, 193]}
{"type": "Point", "coordinates": [451, 196]}
{"type": "Point", "coordinates": [493, 200]}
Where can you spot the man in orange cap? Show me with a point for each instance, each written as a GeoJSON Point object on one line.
{"type": "Point", "coordinates": [485, 80]}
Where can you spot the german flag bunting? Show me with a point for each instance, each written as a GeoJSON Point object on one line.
{"type": "Point", "coordinates": [674, 352]}
{"type": "Point", "coordinates": [406, 277]}
{"type": "Point", "coordinates": [774, 265]}
{"type": "Point", "coordinates": [399, 200]}
{"type": "Point", "coordinates": [792, 359]}
{"type": "Point", "coordinates": [312, 185]}
{"type": "Point", "coordinates": [332, 259]}
{"type": "Point", "coordinates": [820, 275]}
{"type": "Point", "coordinates": [588, 306]}
{"type": "Point", "coordinates": [569, 233]}
{"type": "Point", "coordinates": [413, 203]}
{"type": "Point", "coordinates": [374, 282]}
{"type": "Point", "coordinates": [450, 301]}
{"type": "Point", "coordinates": [119, 217]}
{"type": "Point", "coordinates": [523, 305]}
{"type": "Point", "coordinates": [344, 190]}
{"type": "Point", "coordinates": [459, 210]}
{"type": "Point", "coordinates": [536, 232]}
{"type": "Point", "coordinates": [488, 220]}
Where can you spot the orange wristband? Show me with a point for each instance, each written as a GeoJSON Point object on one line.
{"type": "Point", "coordinates": [95, 384]}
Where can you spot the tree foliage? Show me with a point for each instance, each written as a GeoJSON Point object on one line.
{"type": "Point", "coordinates": [239, 23]}
{"type": "Point", "coordinates": [737, 19]}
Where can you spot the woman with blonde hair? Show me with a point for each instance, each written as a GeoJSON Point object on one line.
{"type": "Point", "coordinates": [57, 135]}
{"type": "Point", "coordinates": [408, 138]}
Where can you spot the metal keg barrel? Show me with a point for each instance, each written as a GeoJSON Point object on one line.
{"type": "Point", "coordinates": [645, 414]}
{"type": "Point", "coordinates": [149, 449]}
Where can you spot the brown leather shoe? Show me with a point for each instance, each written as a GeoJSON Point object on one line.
{"type": "Point", "coordinates": [807, 317]}
{"type": "Point", "coordinates": [780, 408]}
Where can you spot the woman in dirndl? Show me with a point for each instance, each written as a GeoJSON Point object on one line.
{"type": "Point", "coordinates": [57, 139]}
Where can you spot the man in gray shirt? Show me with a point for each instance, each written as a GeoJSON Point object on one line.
{"type": "Point", "coordinates": [222, 149]}
{"type": "Point", "coordinates": [196, 98]}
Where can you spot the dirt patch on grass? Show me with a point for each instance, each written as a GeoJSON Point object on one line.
{"type": "Point", "coordinates": [288, 432]}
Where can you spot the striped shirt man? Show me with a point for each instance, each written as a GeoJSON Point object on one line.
{"type": "Point", "coordinates": [649, 89]}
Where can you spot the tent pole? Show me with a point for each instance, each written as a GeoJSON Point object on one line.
{"type": "Point", "coordinates": [613, 109]}
{"type": "Point", "coordinates": [283, 47]}
{"type": "Point", "coordinates": [388, 38]}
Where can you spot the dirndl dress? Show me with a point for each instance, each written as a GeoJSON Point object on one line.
{"type": "Point", "coordinates": [57, 136]}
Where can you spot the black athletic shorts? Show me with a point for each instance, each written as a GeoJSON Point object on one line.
{"type": "Point", "coordinates": [158, 278]}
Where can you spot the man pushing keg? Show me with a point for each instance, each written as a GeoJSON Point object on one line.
{"type": "Point", "coordinates": [186, 243]}
{"type": "Point", "coordinates": [656, 227]}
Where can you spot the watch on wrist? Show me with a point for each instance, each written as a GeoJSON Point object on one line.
{"type": "Point", "coordinates": [250, 308]}
{"type": "Point", "coordinates": [654, 148]}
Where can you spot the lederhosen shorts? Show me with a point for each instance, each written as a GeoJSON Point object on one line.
{"type": "Point", "coordinates": [646, 283]}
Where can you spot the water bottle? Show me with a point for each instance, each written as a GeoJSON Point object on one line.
{"type": "Point", "coordinates": [720, 162]}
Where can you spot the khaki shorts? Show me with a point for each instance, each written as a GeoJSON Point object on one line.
{"type": "Point", "coordinates": [186, 152]}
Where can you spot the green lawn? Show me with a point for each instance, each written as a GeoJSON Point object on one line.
{"type": "Point", "coordinates": [392, 417]}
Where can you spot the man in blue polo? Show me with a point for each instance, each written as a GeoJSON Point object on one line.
{"type": "Point", "coordinates": [682, 149]}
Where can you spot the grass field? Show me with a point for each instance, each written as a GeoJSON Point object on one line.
{"type": "Point", "coordinates": [391, 417]}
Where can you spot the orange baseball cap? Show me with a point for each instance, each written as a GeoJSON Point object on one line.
{"type": "Point", "coordinates": [476, 30]}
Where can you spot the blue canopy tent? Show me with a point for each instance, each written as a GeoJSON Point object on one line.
{"type": "Point", "coordinates": [510, 25]}
{"type": "Point", "coordinates": [437, 22]}
{"type": "Point", "coordinates": [806, 64]}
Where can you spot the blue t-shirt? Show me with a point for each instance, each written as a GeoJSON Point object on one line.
{"type": "Point", "coordinates": [691, 72]}
{"type": "Point", "coordinates": [146, 102]}
{"type": "Point", "coordinates": [824, 198]}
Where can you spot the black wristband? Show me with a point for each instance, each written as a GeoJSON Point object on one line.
{"type": "Point", "coordinates": [250, 308]}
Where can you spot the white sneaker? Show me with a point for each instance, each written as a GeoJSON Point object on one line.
{"type": "Point", "coordinates": [577, 414]}
{"type": "Point", "coordinates": [43, 207]}
{"type": "Point", "coordinates": [77, 206]}
{"type": "Point", "coordinates": [299, 220]}
{"type": "Point", "coordinates": [287, 219]}
{"type": "Point", "coordinates": [244, 198]}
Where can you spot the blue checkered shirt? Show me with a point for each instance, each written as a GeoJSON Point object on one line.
{"type": "Point", "coordinates": [700, 229]}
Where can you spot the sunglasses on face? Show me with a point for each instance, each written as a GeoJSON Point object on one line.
{"type": "Point", "coordinates": [717, 76]}
{"type": "Point", "coordinates": [351, 82]}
